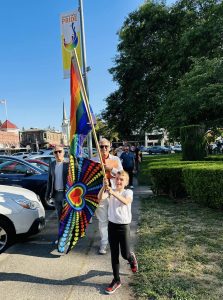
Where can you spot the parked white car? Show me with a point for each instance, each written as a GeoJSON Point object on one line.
{"type": "Point", "coordinates": [21, 211]}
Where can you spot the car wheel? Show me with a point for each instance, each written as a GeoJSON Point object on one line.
{"type": "Point", "coordinates": [7, 234]}
{"type": "Point", "coordinates": [150, 153]}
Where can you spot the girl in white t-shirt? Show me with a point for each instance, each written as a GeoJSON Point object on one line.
{"type": "Point", "coordinates": [119, 216]}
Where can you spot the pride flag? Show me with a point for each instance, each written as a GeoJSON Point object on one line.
{"type": "Point", "coordinates": [79, 119]}
{"type": "Point", "coordinates": [85, 176]}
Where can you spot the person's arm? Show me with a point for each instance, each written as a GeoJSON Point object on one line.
{"type": "Point", "coordinates": [126, 200]}
{"type": "Point", "coordinates": [119, 168]}
{"type": "Point", "coordinates": [103, 193]}
{"type": "Point", "coordinates": [49, 184]}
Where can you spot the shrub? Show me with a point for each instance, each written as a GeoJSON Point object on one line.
{"type": "Point", "coordinates": [150, 160]}
{"type": "Point", "coordinates": [167, 179]}
{"type": "Point", "coordinates": [214, 158]}
{"type": "Point", "coordinates": [202, 180]}
{"type": "Point", "coordinates": [204, 184]}
{"type": "Point", "coordinates": [193, 143]}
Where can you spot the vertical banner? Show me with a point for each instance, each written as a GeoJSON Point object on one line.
{"type": "Point", "coordinates": [70, 39]}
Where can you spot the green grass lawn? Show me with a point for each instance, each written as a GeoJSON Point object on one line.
{"type": "Point", "coordinates": [179, 250]}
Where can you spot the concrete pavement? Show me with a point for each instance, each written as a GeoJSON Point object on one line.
{"type": "Point", "coordinates": [33, 269]}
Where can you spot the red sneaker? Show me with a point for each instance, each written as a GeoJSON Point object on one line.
{"type": "Point", "coordinates": [113, 286]}
{"type": "Point", "coordinates": [133, 263]}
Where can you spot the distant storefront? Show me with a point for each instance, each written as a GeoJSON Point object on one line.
{"type": "Point", "coordinates": [40, 138]}
{"type": "Point", "coordinates": [156, 137]}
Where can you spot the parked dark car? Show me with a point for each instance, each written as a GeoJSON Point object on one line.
{"type": "Point", "coordinates": [18, 172]}
{"type": "Point", "coordinates": [38, 163]}
{"type": "Point", "coordinates": [158, 150]}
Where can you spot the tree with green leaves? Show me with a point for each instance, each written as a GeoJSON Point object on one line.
{"type": "Point", "coordinates": [103, 130]}
{"type": "Point", "coordinates": [198, 99]}
{"type": "Point", "coordinates": [158, 46]}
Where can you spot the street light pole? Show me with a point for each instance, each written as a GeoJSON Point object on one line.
{"type": "Point", "coordinates": [3, 101]}
{"type": "Point", "coordinates": [84, 62]}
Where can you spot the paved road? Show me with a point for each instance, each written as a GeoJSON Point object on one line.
{"type": "Point", "coordinates": [33, 269]}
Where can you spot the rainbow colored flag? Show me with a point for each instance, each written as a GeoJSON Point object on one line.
{"type": "Point", "coordinates": [79, 119]}
{"type": "Point", "coordinates": [85, 176]}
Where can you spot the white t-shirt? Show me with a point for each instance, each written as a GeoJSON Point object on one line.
{"type": "Point", "coordinates": [118, 212]}
{"type": "Point", "coordinates": [58, 184]}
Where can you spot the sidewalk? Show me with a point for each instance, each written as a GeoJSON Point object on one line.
{"type": "Point", "coordinates": [83, 274]}
{"type": "Point", "coordinates": [97, 268]}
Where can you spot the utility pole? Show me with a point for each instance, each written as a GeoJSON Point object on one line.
{"type": "Point", "coordinates": [84, 62]}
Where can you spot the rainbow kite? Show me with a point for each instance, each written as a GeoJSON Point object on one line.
{"type": "Point", "coordinates": [83, 185]}
{"type": "Point", "coordinates": [84, 176]}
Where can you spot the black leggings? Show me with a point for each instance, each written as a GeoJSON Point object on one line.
{"type": "Point", "coordinates": [118, 234]}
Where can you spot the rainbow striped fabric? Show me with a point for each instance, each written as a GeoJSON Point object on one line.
{"type": "Point", "coordinates": [85, 176]}
{"type": "Point", "coordinates": [79, 120]}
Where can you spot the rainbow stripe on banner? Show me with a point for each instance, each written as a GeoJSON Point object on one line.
{"type": "Point", "coordinates": [79, 120]}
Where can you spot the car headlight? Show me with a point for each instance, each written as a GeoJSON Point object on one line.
{"type": "Point", "coordinates": [27, 204]}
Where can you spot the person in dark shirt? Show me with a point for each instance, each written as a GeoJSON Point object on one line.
{"type": "Point", "coordinates": [128, 163]}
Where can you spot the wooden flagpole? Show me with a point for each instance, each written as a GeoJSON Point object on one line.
{"type": "Point", "coordinates": [86, 102]}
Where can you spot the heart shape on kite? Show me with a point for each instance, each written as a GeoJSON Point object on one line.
{"type": "Point", "coordinates": [75, 196]}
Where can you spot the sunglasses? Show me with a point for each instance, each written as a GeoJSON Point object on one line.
{"type": "Point", "coordinates": [57, 151]}
{"type": "Point", "coordinates": [104, 146]}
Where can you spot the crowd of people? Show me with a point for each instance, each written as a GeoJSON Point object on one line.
{"type": "Point", "coordinates": [115, 198]}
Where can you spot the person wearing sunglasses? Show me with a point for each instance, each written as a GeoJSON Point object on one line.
{"type": "Point", "coordinates": [57, 179]}
{"type": "Point", "coordinates": [112, 166]}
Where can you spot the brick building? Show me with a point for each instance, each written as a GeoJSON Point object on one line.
{"type": "Point", "coordinates": [9, 135]}
{"type": "Point", "coordinates": [40, 138]}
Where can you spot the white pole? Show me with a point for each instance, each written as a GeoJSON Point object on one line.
{"type": "Point", "coordinates": [3, 101]}
{"type": "Point", "coordinates": [6, 112]}
{"type": "Point", "coordinates": [84, 62]}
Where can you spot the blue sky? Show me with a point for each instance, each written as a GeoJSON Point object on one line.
{"type": "Point", "coordinates": [31, 75]}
